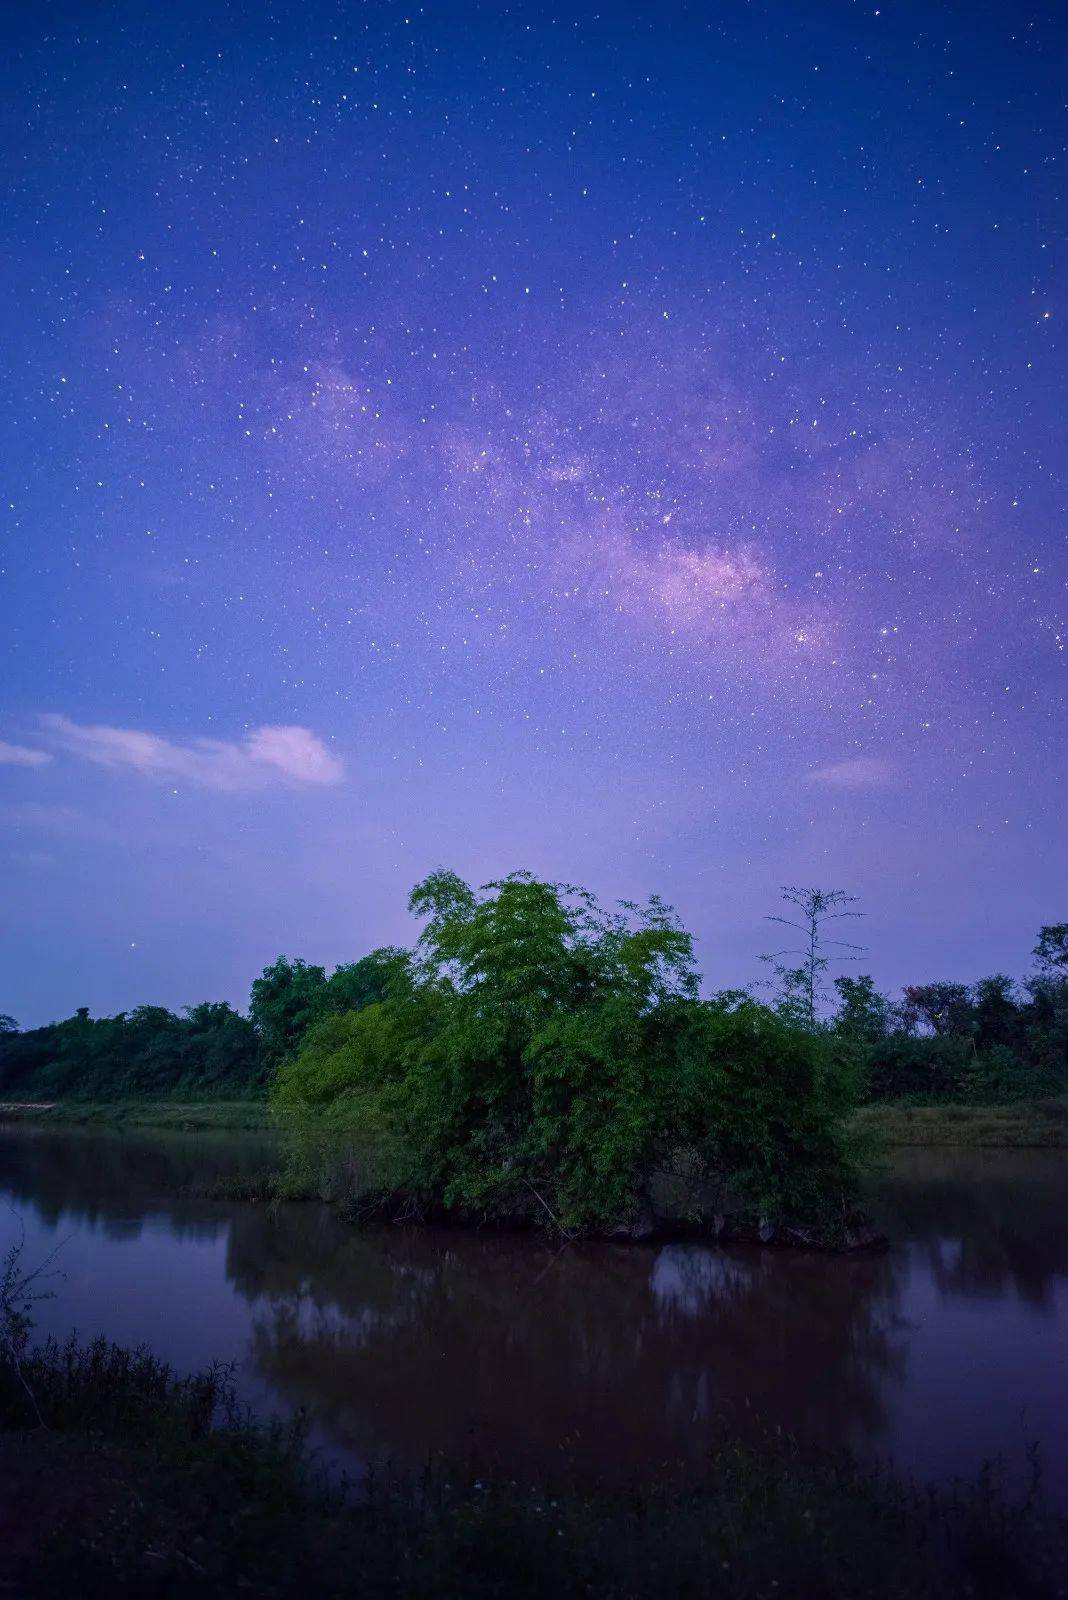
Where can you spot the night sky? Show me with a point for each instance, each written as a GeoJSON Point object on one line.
{"type": "Point", "coordinates": [621, 442]}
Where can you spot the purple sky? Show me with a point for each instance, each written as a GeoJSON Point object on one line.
{"type": "Point", "coordinates": [621, 443]}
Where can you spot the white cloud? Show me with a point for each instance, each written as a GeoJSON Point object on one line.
{"type": "Point", "coordinates": [266, 755]}
{"type": "Point", "coordinates": [294, 751]}
{"type": "Point", "coordinates": [17, 755]}
{"type": "Point", "coordinates": [860, 772]}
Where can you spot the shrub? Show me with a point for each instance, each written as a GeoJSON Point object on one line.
{"type": "Point", "coordinates": [548, 1060]}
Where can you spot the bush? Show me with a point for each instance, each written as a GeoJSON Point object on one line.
{"type": "Point", "coordinates": [546, 1061]}
{"type": "Point", "coordinates": [999, 1077]}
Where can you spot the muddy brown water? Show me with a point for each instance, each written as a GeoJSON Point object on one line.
{"type": "Point", "coordinates": [950, 1348]}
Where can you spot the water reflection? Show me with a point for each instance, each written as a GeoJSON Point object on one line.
{"type": "Point", "coordinates": [398, 1343]}
{"type": "Point", "coordinates": [114, 1179]}
{"type": "Point", "coordinates": [404, 1341]}
{"type": "Point", "coordinates": [990, 1222]}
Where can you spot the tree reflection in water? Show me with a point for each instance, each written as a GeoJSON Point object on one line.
{"type": "Point", "coordinates": [404, 1342]}
{"type": "Point", "coordinates": [989, 1222]}
{"type": "Point", "coordinates": [615, 1358]}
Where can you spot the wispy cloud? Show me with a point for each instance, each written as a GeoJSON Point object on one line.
{"type": "Point", "coordinates": [18, 755]}
{"type": "Point", "coordinates": [859, 772]}
{"type": "Point", "coordinates": [266, 755]}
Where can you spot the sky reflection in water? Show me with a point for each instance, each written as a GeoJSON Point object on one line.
{"type": "Point", "coordinates": [944, 1351]}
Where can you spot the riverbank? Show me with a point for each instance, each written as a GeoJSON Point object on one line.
{"type": "Point", "coordinates": [1033, 1125]}
{"type": "Point", "coordinates": [1030, 1125]}
{"type": "Point", "coordinates": [232, 1116]}
{"type": "Point", "coordinates": [143, 1482]}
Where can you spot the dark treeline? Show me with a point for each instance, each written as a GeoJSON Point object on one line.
{"type": "Point", "coordinates": [209, 1050]}
{"type": "Point", "coordinates": [987, 1043]}
{"type": "Point", "coordinates": [995, 1041]}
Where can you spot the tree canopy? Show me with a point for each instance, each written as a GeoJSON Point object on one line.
{"type": "Point", "coordinates": [548, 1054]}
{"type": "Point", "coordinates": [210, 1050]}
{"type": "Point", "coordinates": [532, 1043]}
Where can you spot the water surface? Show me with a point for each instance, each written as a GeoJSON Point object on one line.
{"type": "Point", "coordinates": [948, 1349]}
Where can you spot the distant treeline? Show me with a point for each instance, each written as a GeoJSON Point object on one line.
{"type": "Point", "coordinates": [992, 1042]}
{"type": "Point", "coordinates": [209, 1050]}
{"type": "Point", "coordinates": [988, 1043]}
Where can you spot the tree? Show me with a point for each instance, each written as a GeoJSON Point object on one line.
{"type": "Point", "coordinates": [998, 1017]}
{"type": "Point", "coordinates": [1046, 1019]}
{"type": "Point", "coordinates": [8, 1024]}
{"type": "Point", "coordinates": [146, 1052]}
{"type": "Point", "coordinates": [284, 1002]}
{"type": "Point", "coordinates": [362, 983]}
{"type": "Point", "coordinates": [548, 1059]}
{"type": "Point", "coordinates": [801, 986]}
{"type": "Point", "coordinates": [864, 1016]}
{"type": "Point", "coordinates": [1051, 950]}
{"type": "Point", "coordinates": [944, 1008]}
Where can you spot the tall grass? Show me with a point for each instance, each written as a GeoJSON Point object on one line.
{"type": "Point", "coordinates": [203, 1500]}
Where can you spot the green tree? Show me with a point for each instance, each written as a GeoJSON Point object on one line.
{"type": "Point", "coordinates": [547, 1058]}
{"type": "Point", "coordinates": [864, 1016]}
{"type": "Point", "coordinates": [357, 984]}
{"type": "Point", "coordinates": [1046, 1016]}
{"type": "Point", "coordinates": [998, 1017]}
{"type": "Point", "coordinates": [945, 1009]}
{"type": "Point", "coordinates": [284, 1002]}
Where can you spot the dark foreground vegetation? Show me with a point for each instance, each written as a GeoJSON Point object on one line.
{"type": "Point", "coordinates": [119, 1477]}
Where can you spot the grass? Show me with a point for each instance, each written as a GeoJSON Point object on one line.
{"type": "Point", "coordinates": [1040, 1124]}
{"type": "Point", "coordinates": [1033, 1124]}
{"type": "Point", "coordinates": [143, 1482]}
{"type": "Point", "coordinates": [192, 1115]}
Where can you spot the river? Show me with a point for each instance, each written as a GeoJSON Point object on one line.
{"type": "Point", "coordinates": [949, 1348]}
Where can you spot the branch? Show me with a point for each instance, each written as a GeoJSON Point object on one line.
{"type": "Point", "coordinates": [552, 1215]}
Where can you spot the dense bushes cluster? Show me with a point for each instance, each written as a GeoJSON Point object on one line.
{"type": "Point", "coordinates": [537, 1056]}
{"type": "Point", "coordinates": [989, 1043]}
{"type": "Point", "coordinates": [535, 1053]}
{"type": "Point", "coordinates": [210, 1050]}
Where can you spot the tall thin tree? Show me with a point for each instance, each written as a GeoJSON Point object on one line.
{"type": "Point", "coordinates": [801, 986]}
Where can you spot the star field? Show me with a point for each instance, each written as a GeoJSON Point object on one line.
{"type": "Point", "coordinates": [622, 442]}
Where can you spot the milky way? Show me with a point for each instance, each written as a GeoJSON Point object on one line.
{"type": "Point", "coordinates": [616, 442]}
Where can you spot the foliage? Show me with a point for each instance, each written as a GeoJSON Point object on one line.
{"type": "Point", "coordinates": [921, 1068]}
{"type": "Point", "coordinates": [993, 1042]}
{"type": "Point", "coordinates": [864, 1016]}
{"type": "Point", "coordinates": [150, 1051]}
{"type": "Point", "coordinates": [285, 1001]}
{"type": "Point", "coordinates": [211, 1050]}
{"type": "Point", "coordinates": [945, 1009]}
{"type": "Point", "coordinates": [1000, 1076]}
{"type": "Point", "coordinates": [537, 981]}
{"type": "Point", "coordinates": [548, 1059]}
{"type": "Point", "coordinates": [290, 997]}
{"type": "Point", "coordinates": [1051, 950]}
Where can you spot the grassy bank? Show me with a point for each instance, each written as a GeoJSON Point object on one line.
{"type": "Point", "coordinates": [143, 1483]}
{"type": "Point", "coordinates": [1041, 1124]}
{"type": "Point", "coordinates": [1037, 1124]}
{"type": "Point", "coordinates": [192, 1115]}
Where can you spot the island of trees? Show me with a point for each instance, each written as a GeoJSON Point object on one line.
{"type": "Point", "coordinates": [534, 1056]}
